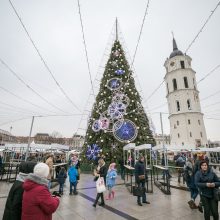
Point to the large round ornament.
(111, 121)
(114, 83)
(104, 123)
(116, 110)
(121, 97)
(92, 151)
(127, 131)
(96, 126)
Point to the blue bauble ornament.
(92, 151)
(119, 72)
(126, 132)
(114, 83)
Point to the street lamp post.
(164, 149)
(29, 140)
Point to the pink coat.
(37, 203)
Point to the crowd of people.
(202, 181)
(30, 197)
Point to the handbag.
(138, 190)
(141, 177)
(100, 185)
(217, 194)
(95, 178)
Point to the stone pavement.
(124, 205)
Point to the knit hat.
(42, 170)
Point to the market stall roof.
(33, 146)
(143, 147)
(183, 149)
(129, 146)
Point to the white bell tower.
(187, 127)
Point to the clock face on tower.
(172, 64)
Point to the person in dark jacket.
(122, 168)
(206, 180)
(189, 175)
(140, 179)
(61, 178)
(13, 206)
(101, 171)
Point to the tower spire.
(174, 44)
(176, 51)
(116, 28)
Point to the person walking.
(37, 201)
(73, 173)
(165, 173)
(110, 181)
(13, 206)
(140, 179)
(61, 178)
(206, 180)
(101, 171)
(180, 162)
(190, 182)
(49, 162)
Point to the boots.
(113, 194)
(108, 197)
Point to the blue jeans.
(49, 184)
(73, 187)
(144, 198)
(61, 188)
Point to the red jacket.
(37, 203)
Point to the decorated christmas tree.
(117, 117)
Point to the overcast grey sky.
(54, 26)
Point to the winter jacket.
(110, 178)
(180, 162)
(73, 173)
(201, 178)
(49, 163)
(14, 201)
(38, 203)
(61, 177)
(139, 170)
(103, 172)
(189, 175)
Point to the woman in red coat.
(38, 203)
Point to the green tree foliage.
(111, 147)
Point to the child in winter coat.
(61, 179)
(73, 173)
(110, 180)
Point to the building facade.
(186, 119)
(6, 137)
(160, 139)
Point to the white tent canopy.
(182, 149)
(37, 147)
(143, 147)
(129, 146)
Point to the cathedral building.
(187, 127)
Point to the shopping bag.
(217, 194)
(141, 177)
(138, 190)
(100, 185)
